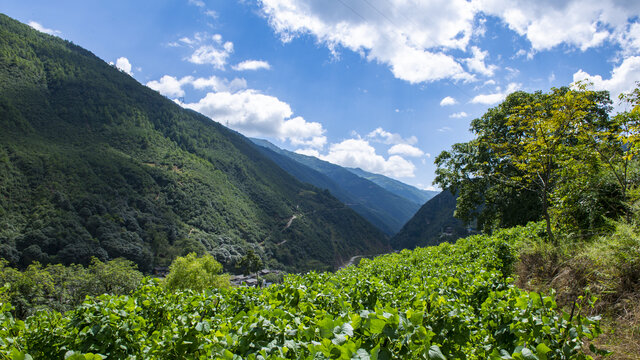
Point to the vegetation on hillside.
(444, 302)
(386, 209)
(94, 164)
(433, 224)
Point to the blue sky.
(384, 85)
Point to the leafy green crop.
(446, 302)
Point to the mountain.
(399, 188)
(432, 224)
(94, 164)
(382, 208)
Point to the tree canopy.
(558, 156)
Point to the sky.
(384, 85)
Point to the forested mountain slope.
(92, 163)
(388, 211)
(399, 188)
(432, 224)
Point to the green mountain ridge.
(92, 163)
(399, 188)
(383, 208)
(433, 224)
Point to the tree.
(195, 273)
(250, 263)
(482, 178)
(527, 145)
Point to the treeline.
(61, 288)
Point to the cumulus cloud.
(169, 85)
(124, 65)
(623, 77)
(309, 152)
(43, 29)
(219, 84)
(405, 149)
(407, 36)
(415, 38)
(548, 23)
(173, 87)
(207, 49)
(358, 153)
(459, 115)
(448, 100)
(477, 62)
(252, 65)
(496, 97)
(385, 137)
(256, 114)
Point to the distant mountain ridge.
(433, 224)
(399, 188)
(385, 209)
(95, 164)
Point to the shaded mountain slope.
(399, 188)
(382, 208)
(432, 224)
(92, 163)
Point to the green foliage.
(61, 288)
(94, 164)
(195, 273)
(433, 224)
(250, 263)
(442, 302)
(558, 156)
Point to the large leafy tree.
(525, 153)
(481, 175)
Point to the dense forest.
(94, 164)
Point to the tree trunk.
(547, 218)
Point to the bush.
(195, 273)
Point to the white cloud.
(359, 153)
(383, 136)
(407, 36)
(427, 187)
(488, 99)
(124, 65)
(623, 78)
(477, 62)
(448, 100)
(256, 114)
(459, 115)
(445, 129)
(309, 152)
(173, 87)
(252, 65)
(169, 85)
(218, 84)
(43, 29)
(580, 23)
(405, 149)
(198, 3)
(494, 98)
(213, 55)
(415, 39)
(208, 50)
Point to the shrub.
(195, 273)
